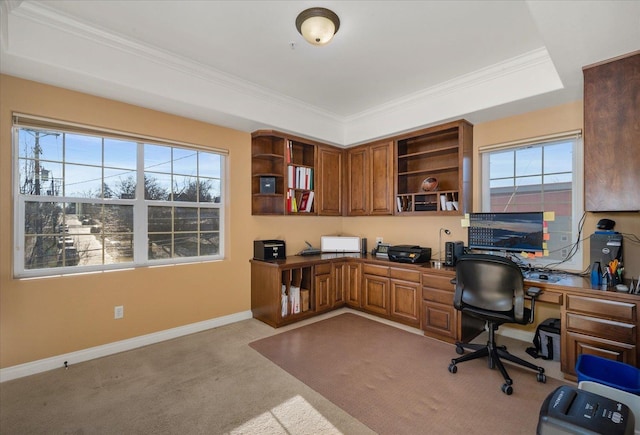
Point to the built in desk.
(603, 323)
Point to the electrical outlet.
(118, 312)
(378, 240)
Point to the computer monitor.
(513, 232)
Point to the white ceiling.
(393, 65)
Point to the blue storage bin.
(608, 372)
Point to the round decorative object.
(429, 184)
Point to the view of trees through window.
(89, 200)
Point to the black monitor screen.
(516, 232)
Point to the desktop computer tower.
(452, 251)
(605, 247)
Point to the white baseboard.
(58, 361)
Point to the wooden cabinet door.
(370, 180)
(329, 187)
(352, 285)
(357, 181)
(405, 302)
(381, 179)
(340, 277)
(611, 135)
(323, 291)
(439, 320)
(375, 294)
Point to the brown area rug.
(397, 382)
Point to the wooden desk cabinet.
(606, 328)
(603, 323)
(439, 317)
(375, 289)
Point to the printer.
(409, 254)
(269, 250)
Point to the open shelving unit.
(277, 162)
(442, 152)
(267, 166)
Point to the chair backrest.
(489, 282)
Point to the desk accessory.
(381, 250)
(310, 250)
(429, 184)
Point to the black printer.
(409, 254)
(269, 250)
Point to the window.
(91, 200)
(539, 175)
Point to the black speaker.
(363, 246)
(452, 251)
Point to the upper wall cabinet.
(369, 174)
(433, 170)
(329, 188)
(612, 134)
(283, 171)
(294, 176)
(268, 185)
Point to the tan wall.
(51, 316)
(44, 317)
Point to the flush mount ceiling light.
(318, 25)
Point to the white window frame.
(574, 264)
(140, 204)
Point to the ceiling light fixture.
(317, 25)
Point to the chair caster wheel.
(459, 350)
(541, 377)
(507, 389)
(453, 368)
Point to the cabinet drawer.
(549, 296)
(437, 295)
(621, 332)
(405, 274)
(599, 307)
(372, 269)
(438, 281)
(322, 268)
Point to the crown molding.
(526, 61)
(201, 92)
(42, 14)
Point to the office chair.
(491, 288)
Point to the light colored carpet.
(211, 382)
(206, 383)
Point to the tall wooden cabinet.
(612, 134)
(369, 176)
(444, 153)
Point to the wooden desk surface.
(567, 282)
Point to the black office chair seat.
(491, 288)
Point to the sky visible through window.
(73, 164)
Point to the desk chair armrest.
(533, 293)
